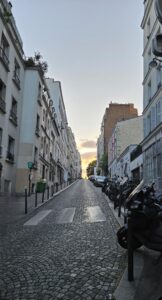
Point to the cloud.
(88, 155)
(88, 144)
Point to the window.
(35, 157)
(2, 96)
(37, 125)
(153, 161)
(149, 123)
(16, 74)
(13, 112)
(153, 118)
(149, 91)
(148, 28)
(158, 112)
(10, 149)
(158, 76)
(44, 113)
(4, 52)
(39, 94)
(159, 162)
(1, 132)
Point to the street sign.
(30, 164)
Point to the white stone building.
(152, 100)
(124, 134)
(33, 121)
(123, 162)
(61, 117)
(11, 91)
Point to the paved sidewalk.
(147, 284)
(12, 209)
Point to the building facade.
(152, 101)
(125, 133)
(114, 113)
(11, 94)
(34, 132)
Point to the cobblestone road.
(54, 260)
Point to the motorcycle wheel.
(123, 241)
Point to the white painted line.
(37, 218)
(95, 214)
(66, 216)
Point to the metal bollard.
(130, 249)
(26, 200)
(36, 199)
(43, 195)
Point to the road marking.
(66, 216)
(37, 218)
(95, 214)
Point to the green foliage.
(90, 168)
(37, 62)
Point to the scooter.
(145, 212)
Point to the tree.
(90, 168)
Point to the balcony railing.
(4, 59)
(13, 117)
(2, 105)
(16, 80)
(39, 100)
(37, 130)
(10, 156)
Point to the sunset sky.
(94, 47)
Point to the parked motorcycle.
(145, 211)
(125, 190)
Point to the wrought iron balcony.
(4, 59)
(2, 105)
(37, 130)
(10, 156)
(39, 100)
(13, 117)
(16, 80)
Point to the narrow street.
(66, 249)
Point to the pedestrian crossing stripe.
(92, 214)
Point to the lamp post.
(30, 166)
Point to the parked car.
(92, 178)
(99, 181)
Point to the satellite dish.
(158, 10)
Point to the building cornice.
(146, 12)
(151, 134)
